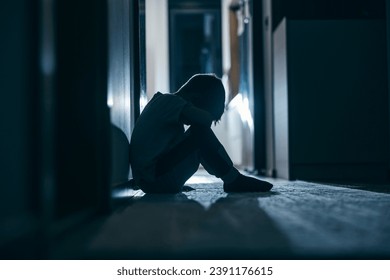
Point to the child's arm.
(192, 115)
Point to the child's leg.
(203, 142)
(213, 158)
(172, 180)
(174, 168)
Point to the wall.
(54, 121)
(331, 80)
(231, 131)
(157, 54)
(236, 129)
(388, 58)
(273, 11)
(327, 9)
(258, 88)
(119, 65)
(281, 99)
(268, 86)
(120, 86)
(19, 164)
(81, 114)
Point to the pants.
(199, 146)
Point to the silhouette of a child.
(163, 156)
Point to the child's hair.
(207, 92)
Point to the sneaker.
(247, 184)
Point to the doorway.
(195, 40)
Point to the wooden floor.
(297, 220)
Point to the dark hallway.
(307, 109)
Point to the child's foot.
(247, 184)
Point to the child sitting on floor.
(163, 156)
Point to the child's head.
(205, 91)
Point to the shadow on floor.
(176, 227)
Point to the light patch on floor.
(295, 220)
(323, 219)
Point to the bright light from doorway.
(241, 104)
